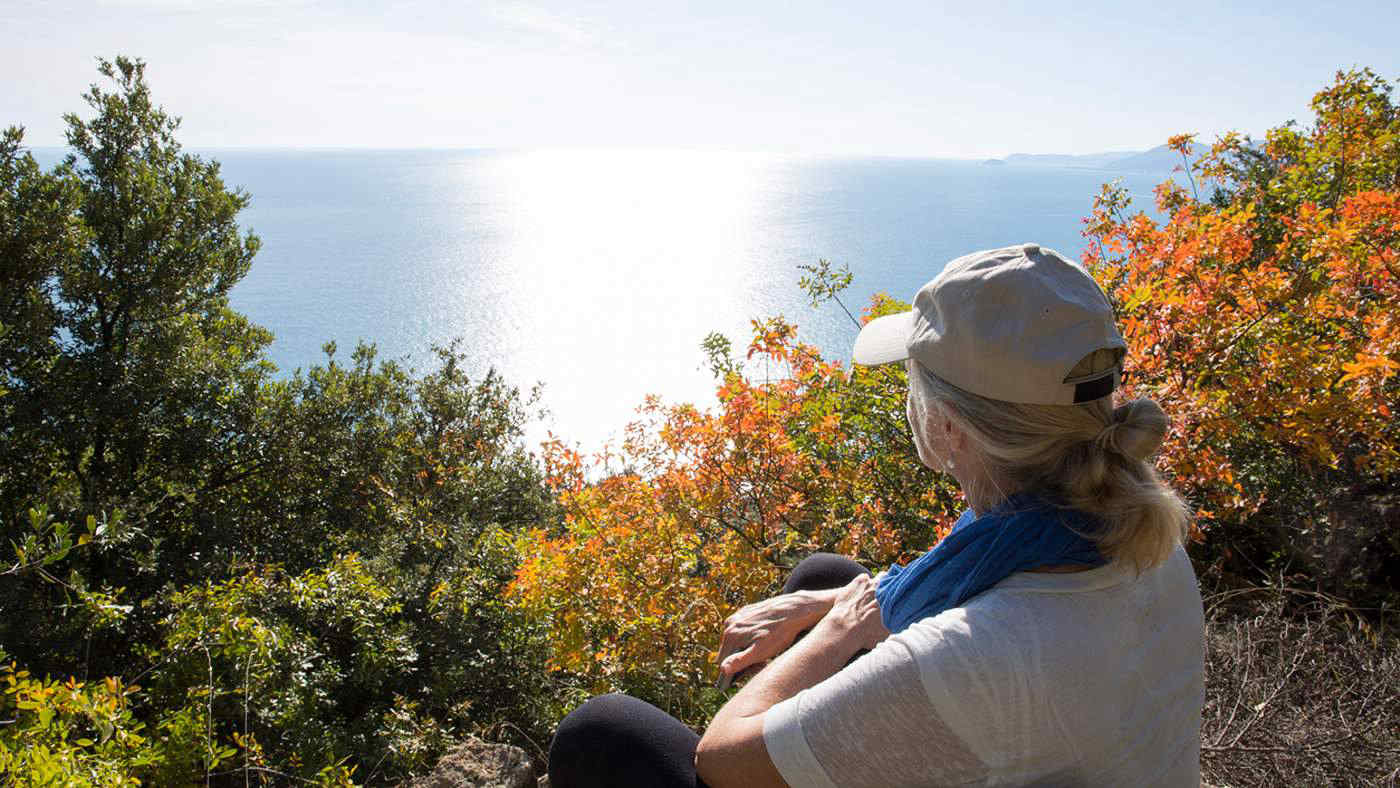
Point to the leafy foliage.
(1264, 320)
(130, 387)
(332, 575)
(70, 732)
(305, 573)
(702, 511)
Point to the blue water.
(598, 273)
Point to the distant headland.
(1153, 160)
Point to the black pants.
(618, 740)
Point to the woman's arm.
(732, 752)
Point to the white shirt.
(1084, 678)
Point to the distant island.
(1157, 159)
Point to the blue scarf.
(1024, 532)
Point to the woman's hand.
(761, 631)
(732, 750)
(855, 615)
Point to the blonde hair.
(1090, 456)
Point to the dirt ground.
(1300, 690)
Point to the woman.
(1055, 636)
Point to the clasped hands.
(758, 632)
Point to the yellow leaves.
(57, 729)
(1366, 364)
(1145, 293)
(1181, 143)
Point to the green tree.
(304, 573)
(38, 229)
(136, 331)
(129, 383)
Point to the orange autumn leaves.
(1263, 316)
(700, 511)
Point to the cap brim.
(884, 340)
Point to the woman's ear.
(956, 437)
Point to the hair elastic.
(1107, 438)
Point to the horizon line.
(1126, 151)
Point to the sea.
(597, 273)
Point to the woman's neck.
(983, 488)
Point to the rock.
(479, 764)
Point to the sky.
(957, 79)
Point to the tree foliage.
(304, 572)
(130, 387)
(701, 511)
(222, 574)
(125, 357)
(1263, 318)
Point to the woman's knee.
(620, 740)
(595, 717)
(820, 571)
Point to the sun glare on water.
(611, 268)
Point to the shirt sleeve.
(871, 724)
(787, 747)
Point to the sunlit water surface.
(598, 273)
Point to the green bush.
(305, 574)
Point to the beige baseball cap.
(1008, 324)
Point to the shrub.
(305, 573)
(701, 511)
(1263, 318)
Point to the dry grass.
(1300, 690)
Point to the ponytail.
(1091, 457)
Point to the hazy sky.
(965, 79)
